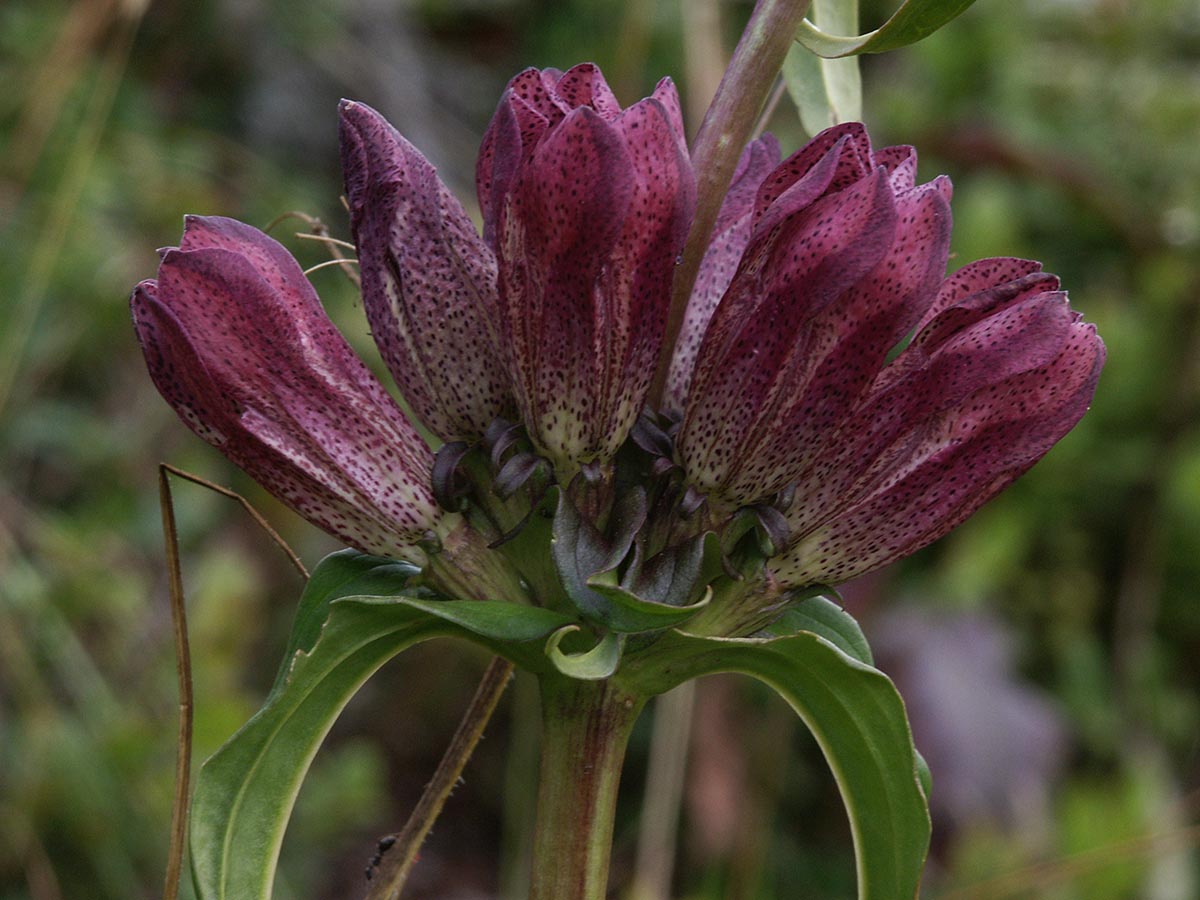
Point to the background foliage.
(1049, 650)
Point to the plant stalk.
(725, 131)
(183, 663)
(585, 729)
(398, 863)
(665, 776)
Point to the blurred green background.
(1049, 649)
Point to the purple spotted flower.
(558, 310)
(819, 268)
(791, 424)
(237, 342)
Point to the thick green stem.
(585, 728)
(724, 133)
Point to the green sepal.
(857, 718)
(669, 577)
(914, 20)
(820, 613)
(352, 618)
(592, 664)
(581, 551)
(655, 594)
(651, 595)
(630, 613)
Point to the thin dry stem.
(328, 263)
(305, 236)
(321, 232)
(401, 857)
(183, 664)
(769, 110)
(183, 655)
(245, 504)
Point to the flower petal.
(247, 357)
(977, 277)
(587, 244)
(959, 312)
(666, 94)
(1024, 334)
(849, 342)
(584, 85)
(760, 346)
(847, 146)
(963, 458)
(901, 163)
(428, 280)
(511, 137)
(635, 285)
(268, 256)
(558, 227)
(730, 236)
(539, 90)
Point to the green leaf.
(826, 92)
(825, 617)
(340, 574)
(352, 619)
(492, 619)
(858, 719)
(914, 20)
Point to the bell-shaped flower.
(589, 207)
(843, 251)
(585, 209)
(428, 280)
(821, 267)
(237, 342)
(999, 371)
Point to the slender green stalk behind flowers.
(785, 438)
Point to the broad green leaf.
(857, 718)
(352, 619)
(914, 20)
(340, 574)
(492, 619)
(827, 92)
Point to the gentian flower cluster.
(834, 402)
